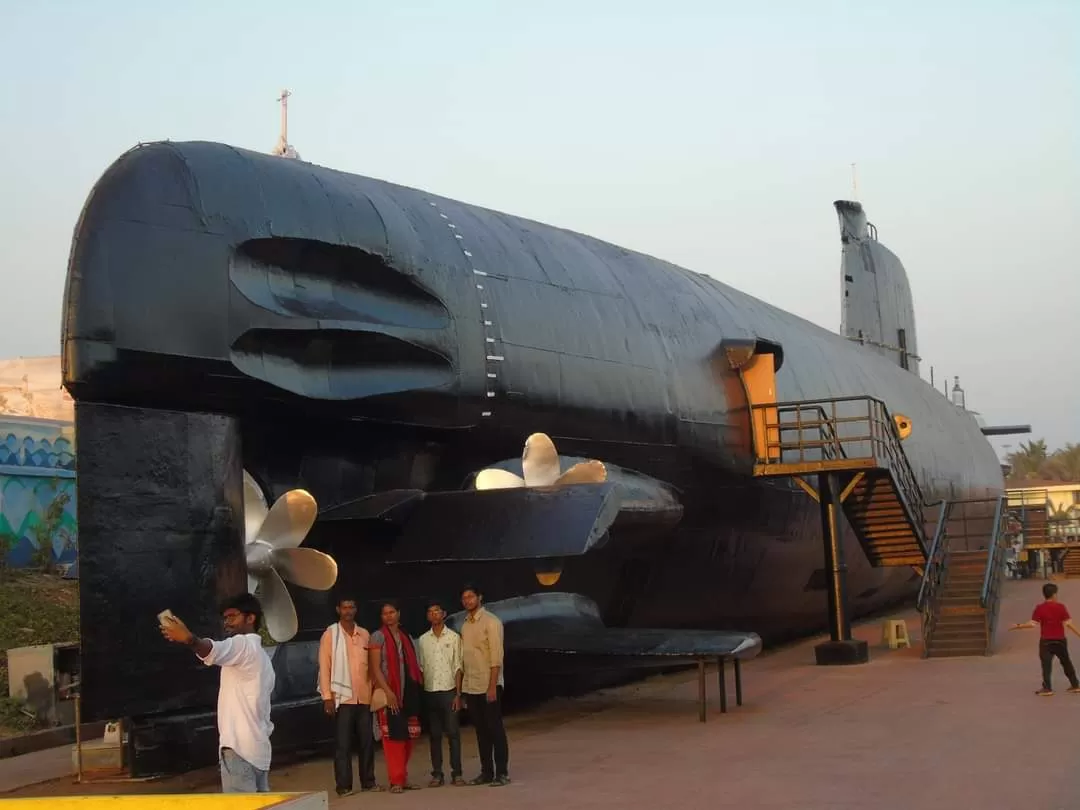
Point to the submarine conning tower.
(876, 309)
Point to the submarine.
(238, 326)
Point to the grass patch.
(35, 608)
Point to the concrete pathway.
(900, 732)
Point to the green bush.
(15, 716)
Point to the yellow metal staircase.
(858, 440)
(853, 446)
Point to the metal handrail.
(992, 556)
(882, 438)
(933, 576)
(991, 596)
(935, 558)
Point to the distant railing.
(933, 576)
(826, 432)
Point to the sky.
(712, 134)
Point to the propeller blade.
(254, 507)
(253, 584)
(289, 520)
(306, 567)
(278, 608)
(540, 461)
(493, 478)
(584, 472)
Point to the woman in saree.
(396, 668)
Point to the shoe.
(1045, 692)
(376, 788)
(1074, 689)
(458, 781)
(436, 781)
(480, 780)
(499, 781)
(344, 791)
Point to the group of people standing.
(395, 679)
(385, 675)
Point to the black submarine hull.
(228, 310)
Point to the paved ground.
(901, 732)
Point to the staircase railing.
(840, 433)
(990, 598)
(933, 576)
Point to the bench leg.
(723, 685)
(701, 690)
(738, 683)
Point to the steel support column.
(841, 647)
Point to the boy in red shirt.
(1052, 618)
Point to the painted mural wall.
(37, 470)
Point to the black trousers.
(1048, 648)
(490, 734)
(443, 720)
(351, 722)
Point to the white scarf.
(340, 678)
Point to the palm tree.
(1027, 462)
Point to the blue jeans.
(240, 776)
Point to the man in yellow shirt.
(482, 686)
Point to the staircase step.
(957, 642)
(961, 620)
(977, 624)
(878, 518)
(892, 520)
(875, 507)
(962, 585)
(895, 548)
(895, 532)
(906, 546)
(963, 595)
(964, 652)
(976, 645)
(974, 631)
(897, 562)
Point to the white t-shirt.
(243, 709)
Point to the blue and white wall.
(37, 460)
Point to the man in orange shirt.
(345, 687)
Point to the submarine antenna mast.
(283, 147)
(284, 99)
